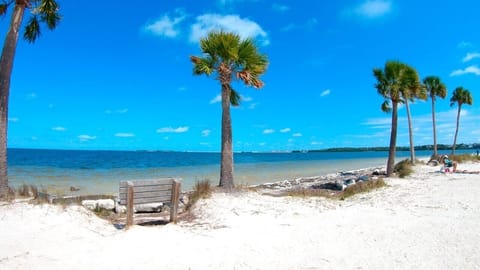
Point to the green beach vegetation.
(41, 11)
(230, 58)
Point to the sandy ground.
(427, 221)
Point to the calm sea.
(98, 172)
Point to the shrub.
(201, 190)
(26, 190)
(362, 187)
(464, 158)
(403, 168)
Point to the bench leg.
(174, 202)
(129, 206)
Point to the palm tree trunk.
(435, 151)
(456, 130)
(410, 133)
(226, 166)
(6, 66)
(393, 139)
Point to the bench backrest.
(148, 191)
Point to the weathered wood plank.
(167, 193)
(163, 181)
(147, 188)
(174, 201)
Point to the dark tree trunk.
(410, 133)
(6, 66)
(456, 130)
(435, 151)
(226, 166)
(393, 139)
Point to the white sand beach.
(427, 221)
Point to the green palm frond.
(461, 96)
(435, 87)
(386, 107)
(32, 30)
(234, 97)
(3, 9)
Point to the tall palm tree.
(411, 90)
(460, 96)
(435, 88)
(230, 58)
(389, 87)
(45, 11)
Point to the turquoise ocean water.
(98, 172)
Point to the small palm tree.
(45, 11)
(230, 58)
(435, 88)
(460, 96)
(411, 90)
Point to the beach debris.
(72, 188)
(106, 204)
(433, 163)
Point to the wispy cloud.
(172, 130)
(372, 9)
(297, 135)
(285, 130)
(206, 132)
(268, 131)
(468, 70)
(216, 99)
(231, 23)
(124, 135)
(280, 8)
(86, 138)
(325, 93)
(31, 96)
(119, 111)
(470, 56)
(464, 44)
(13, 119)
(166, 26)
(59, 129)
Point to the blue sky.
(115, 76)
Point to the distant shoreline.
(440, 147)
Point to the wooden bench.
(137, 192)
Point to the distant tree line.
(442, 147)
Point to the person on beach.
(447, 164)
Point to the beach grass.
(464, 158)
(201, 190)
(360, 187)
(403, 168)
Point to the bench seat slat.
(147, 200)
(146, 189)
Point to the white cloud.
(119, 111)
(166, 26)
(216, 99)
(297, 135)
(124, 135)
(325, 93)
(316, 143)
(468, 70)
(206, 132)
(86, 138)
(268, 131)
(373, 8)
(231, 23)
(59, 129)
(13, 119)
(252, 106)
(172, 130)
(470, 56)
(280, 8)
(285, 130)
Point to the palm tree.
(45, 11)
(435, 88)
(460, 96)
(393, 82)
(231, 58)
(412, 90)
